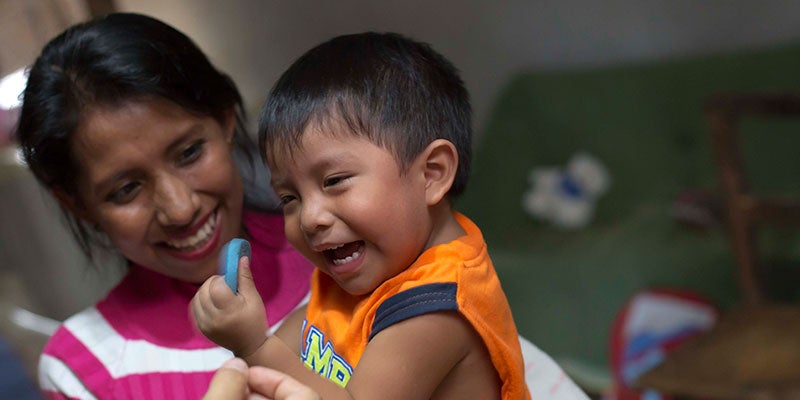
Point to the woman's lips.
(198, 245)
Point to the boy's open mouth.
(344, 253)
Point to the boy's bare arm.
(276, 354)
(288, 333)
(416, 358)
(291, 329)
(281, 351)
(437, 355)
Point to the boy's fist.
(237, 322)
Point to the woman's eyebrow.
(183, 137)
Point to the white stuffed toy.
(566, 196)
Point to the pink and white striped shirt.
(139, 342)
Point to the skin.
(339, 189)
(235, 381)
(156, 178)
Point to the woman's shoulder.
(66, 357)
(85, 329)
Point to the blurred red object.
(697, 208)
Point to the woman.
(125, 121)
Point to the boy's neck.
(444, 228)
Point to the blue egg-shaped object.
(229, 261)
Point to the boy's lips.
(345, 258)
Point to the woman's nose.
(175, 201)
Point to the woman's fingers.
(229, 382)
(277, 385)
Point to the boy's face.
(350, 209)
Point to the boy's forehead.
(332, 126)
(287, 144)
(316, 150)
(315, 145)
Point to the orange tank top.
(455, 276)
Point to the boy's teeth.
(201, 236)
(347, 259)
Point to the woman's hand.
(236, 321)
(233, 381)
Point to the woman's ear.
(72, 204)
(228, 123)
(441, 163)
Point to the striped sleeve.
(58, 382)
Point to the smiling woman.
(161, 183)
(134, 132)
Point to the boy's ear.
(72, 204)
(441, 163)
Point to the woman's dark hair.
(397, 92)
(106, 62)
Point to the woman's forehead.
(131, 134)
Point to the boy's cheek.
(294, 235)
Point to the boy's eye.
(191, 153)
(286, 199)
(125, 193)
(333, 180)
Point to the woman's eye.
(125, 193)
(191, 153)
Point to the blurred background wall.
(255, 40)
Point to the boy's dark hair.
(106, 62)
(397, 92)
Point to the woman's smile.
(198, 245)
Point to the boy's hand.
(237, 322)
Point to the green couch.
(645, 123)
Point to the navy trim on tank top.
(414, 302)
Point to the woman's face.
(161, 183)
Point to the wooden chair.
(746, 211)
(753, 352)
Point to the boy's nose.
(175, 201)
(314, 216)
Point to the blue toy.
(229, 258)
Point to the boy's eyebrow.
(317, 167)
(274, 182)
